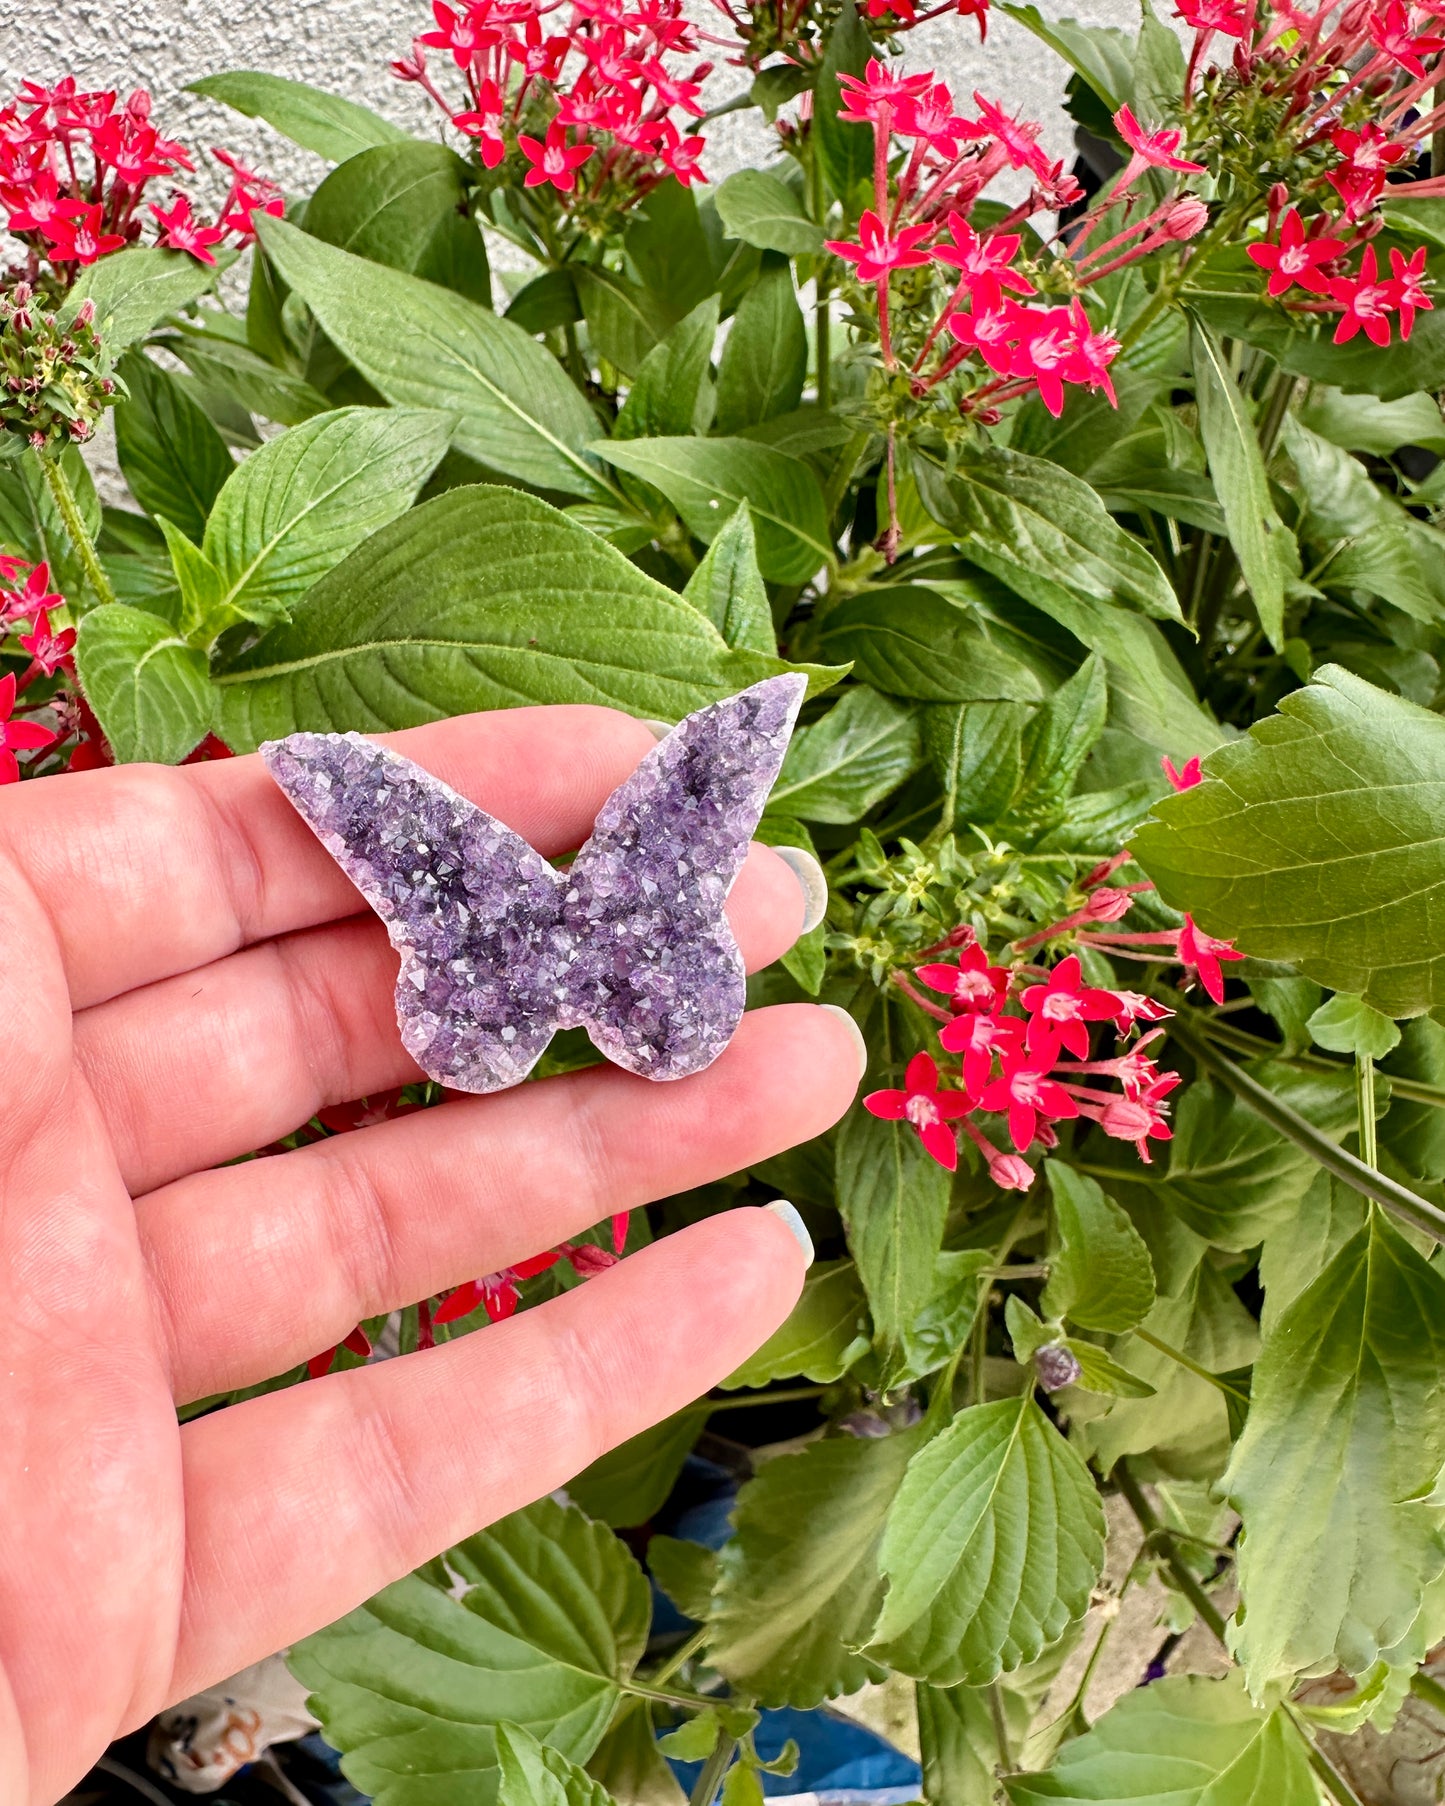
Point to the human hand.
(190, 977)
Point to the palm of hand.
(187, 978)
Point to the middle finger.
(207, 1065)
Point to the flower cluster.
(26, 605)
(597, 113)
(1023, 1035)
(1334, 98)
(75, 170)
(55, 379)
(996, 309)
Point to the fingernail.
(660, 729)
(795, 1225)
(809, 874)
(854, 1030)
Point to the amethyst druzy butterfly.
(499, 949)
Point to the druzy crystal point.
(499, 949)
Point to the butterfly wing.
(656, 977)
(473, 910)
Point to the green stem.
(69, 509)
(680, 1657)
(1365, 1108)
(1398, 1199)
(1240, 1041)
(1000, 1727)
(713, 1770)
(785, 1397)
(1429, 1691)
(1280, 394)
(979, 1338)
(1159, 1537)
(1335, 1783)
(822, 319)
(1201, 1373)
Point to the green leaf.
(1232, 1178)
(149, 689)
(135, 289)
(482, 598)
(246, 382)
(893, 1199)
(30, 522)
(1346, 1387)
(914, 642)
(763, 210)
(1348, 1025)
(1186, 1739)
(624, 321)
(707, 479)
(405, 205)
(1100, 1273)
(1098, 1372)
(1061, 736)
(533, 1775)
(992, 1547)
(669, 247)
(686, 1572)
(1316, 840)
(199, 588)
(825, 1332)
(173, 460)
(421, 346)
(846, 150)
(671, 395)
(301, 503)
(975, 751)
(629, 1483)
(862, 749)
(1184, 1429)
(765, 358)
(1291, 1001)
(1261, 541)
(1044, 532)
(694, 1740)
(325, 123)
(798, 1584)
(728, 587)
(942, 1324)
(741, 1787)
(1102, 54)
(412, 1686)
(1299, 1249)
(1365, 423)
(547, 301)
(630, 1766)
(1158, 81)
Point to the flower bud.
(85, 313)
(1125, 1119)
(1056, 1366)
(1107, 904)
(1185, 218)
(1011, 1172)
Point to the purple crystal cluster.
(499, 949)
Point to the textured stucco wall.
(345, 45)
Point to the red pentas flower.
(1061, 1009)
(1406, 291)
(1201, 953)
(1368, 156)
(184, 233)
(358, 1342)
(877, 96)
(1150, 150)
(1231, 17)
(1296, 259)
(1026, 1095)
(25, 601)
(1367, 303)
(497, 1292)
(879, 253)
(929, 1108)
(555, 161)
(1393, 34)
(978, 1036)
(973, 984)
(1184, 778)
(980, 260)
(49, 649)
(17, 736)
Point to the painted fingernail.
(809, 874)
(854, 1030)
(794, 1224)
(660, 729)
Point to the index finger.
(148, 870)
